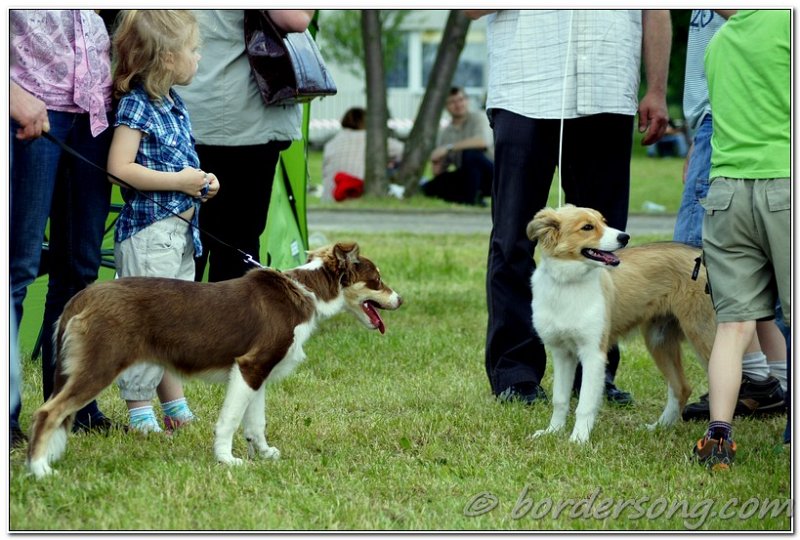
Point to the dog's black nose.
(623, 238)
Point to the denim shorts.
(747, 247)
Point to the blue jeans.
(76, 197)
(14, 374)
(689, 223)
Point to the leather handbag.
(286, 66)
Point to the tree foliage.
(342, 32)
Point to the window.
(397, 76)
(471, 63)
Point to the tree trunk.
(376, 181)
(422, 138)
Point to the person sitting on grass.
(343, 158)
(462, 162)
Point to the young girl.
(153, 151)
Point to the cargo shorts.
(747, 247)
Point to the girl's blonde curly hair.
(142, 42)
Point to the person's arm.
(476, 14)
(292, 20)
(726, 13)
(656, 44)
(28, 111)
(472, 143)
(122, 163)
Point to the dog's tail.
(48, 435)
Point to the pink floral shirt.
(63, 58)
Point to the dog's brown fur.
(199, 328)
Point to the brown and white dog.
(585, 298)
(244, 330)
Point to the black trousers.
(596, 173)
(238, 213)
(466, 185)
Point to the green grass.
(400, 432)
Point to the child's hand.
(192, 181)
(213, 186)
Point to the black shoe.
(99, 424)
(614, 395)
(755, 398)
(618, 397)
(17, 438)
(524, 392)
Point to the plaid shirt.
(167, 145)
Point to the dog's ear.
(544, 227)
(346, 254)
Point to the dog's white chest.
(295, 354)
(568, 314)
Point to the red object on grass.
(347, 186)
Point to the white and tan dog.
(244, 331)
(586, 297)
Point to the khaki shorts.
(164, 249)
(747, 247)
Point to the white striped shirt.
(702, 27)
(528, 54)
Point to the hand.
(192, 181)
(439, 153)
(213, 186)
(29, 111)
(653, 117)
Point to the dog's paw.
(579, 437)
(40, 469)
(652, 427)
(230, 460)
(260, 449)
(271, 453)
(543, 432)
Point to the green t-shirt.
(749, 81)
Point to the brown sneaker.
(715, 454)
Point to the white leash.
(563, 103)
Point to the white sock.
(143, 419)
(778, 370)
(754, 365)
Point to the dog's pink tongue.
(374, 317)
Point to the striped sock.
(720, 430)
(143, 419)
(178, 409)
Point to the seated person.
(462, 162)
(343, 157)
